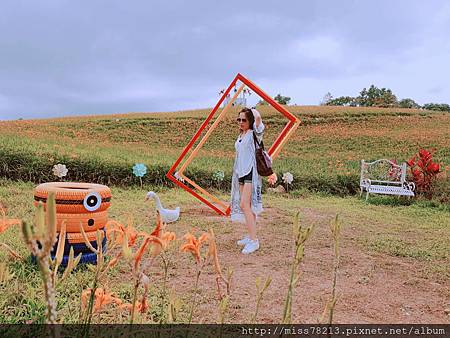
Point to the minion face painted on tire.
(77, 203)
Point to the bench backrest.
(383, 171)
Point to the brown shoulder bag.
(263, 159)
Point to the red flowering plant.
(424, 172)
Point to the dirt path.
(372, 287)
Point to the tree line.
(379, 97)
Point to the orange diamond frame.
(289, 128)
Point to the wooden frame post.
(274, 150)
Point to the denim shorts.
(247, 178)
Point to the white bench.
(385, 177)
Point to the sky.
(60, 58)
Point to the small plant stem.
(136, 286)
(333, 293)
(288, 303)
(11, 251)
(336, 234)
(48, 289)
(258, 301)
(199, 271)
(166, 267)
(195, 295)
(163, 296)
(91, 299)
(88, 319)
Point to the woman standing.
(246, 201)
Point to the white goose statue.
(167, 215)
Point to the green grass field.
(415, 234)
(387, 239)
(323, 155)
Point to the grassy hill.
(323, 154)
(406, 245)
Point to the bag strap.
(260, 144)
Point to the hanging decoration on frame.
(178, 176)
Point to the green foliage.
(400, 248)
(437, 106)
(408, 103)
(282, 99)
(393, 201)
(19, 166)
(376, 97)
(343, 101)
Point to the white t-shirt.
(245, 150)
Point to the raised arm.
(258, 118)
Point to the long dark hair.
(249, 116)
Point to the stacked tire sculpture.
(77, 203)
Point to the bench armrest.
(409, 185)
(365, 182)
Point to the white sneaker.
(243, 241)
(251, 246)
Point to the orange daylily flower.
(141, 306)
(212, 252)
(156, 244)
(120, 232)
(193, 245)
(166, 237)
(101, 299)
(157, 231)
(113, 262)
(6, 223)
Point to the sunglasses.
(241, 120)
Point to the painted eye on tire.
(92, 201)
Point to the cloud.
(322, 48)
(65, 57)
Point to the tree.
(327, 98)
(262, 103)
(282, 99)
(376, 97)
(408, 103)
(437, 106)
(387, 99)
(343, 101)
